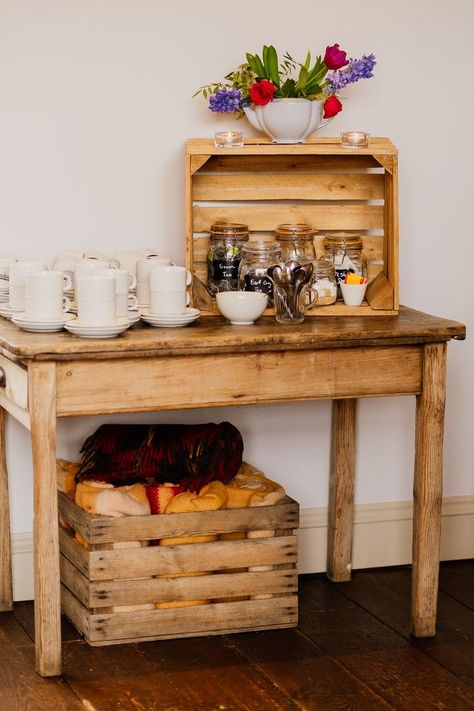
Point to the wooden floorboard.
(352, 651)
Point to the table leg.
(42, 399)
(341, 490)
(427, 491)
(6, 579)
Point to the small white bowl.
(241, 308)
(353, 294)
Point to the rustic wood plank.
(380, 293)
(214, 586)
(457, 580)
(304, 672)
(107, 529)
(42, 394)
(236, 379)
(185, 558)
(216, 337)
(266, 217)
(230, 681)
(300, 186)
(21, 689)
(380, 658)
(327, 145)
(16, 383)
(119, 677)
(427, 490)
(391, 220)
(74, 552)
(288, 162)
(385, 594)
(341, 490)
(6, 579)
(214, 618)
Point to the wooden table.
(209, 364)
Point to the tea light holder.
(355, 139)
(229, 139)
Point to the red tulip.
(262, 92)
(331, 107)
(335, 58)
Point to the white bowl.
(353, 294)
(241, 307)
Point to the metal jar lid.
(229, 230)
(345, 240)
(294, 231)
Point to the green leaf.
(308, 60)
(258, 66)
(288, 89)
(272, 66)
(302, 79)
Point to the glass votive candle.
(229, 139)
(355, 139)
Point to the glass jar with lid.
(257, 257)
(344, 249)
(296, 241)
(225, 253)
(324, 281)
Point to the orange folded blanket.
(99, 498)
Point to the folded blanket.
(191, 455)
(250, 487)
(97, 497)
(211, 498)
(66, 474)
(159, 496)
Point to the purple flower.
(356, 69)
(225, 101)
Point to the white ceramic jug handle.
(326, 121)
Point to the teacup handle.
(67, 281)
(66, 303)
(132, 280)
(189, 277)
(132, 301)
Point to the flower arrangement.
(259, 80)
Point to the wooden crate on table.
(320, 183)
(97, 581)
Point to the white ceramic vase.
(287, 120)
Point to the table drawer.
(14, 383)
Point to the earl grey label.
(258, 283)
(225, 269)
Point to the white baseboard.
(382, 537)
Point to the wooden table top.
(212, 334)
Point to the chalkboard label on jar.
(258, 283)
(225, 269)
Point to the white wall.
(95, 107)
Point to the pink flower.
(262, 92)
(331, 107)
(335, 58)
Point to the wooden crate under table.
(319, 183)
(95, 580)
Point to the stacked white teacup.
(124, 282)
(95, 300)
(44, 296)
(143, 271)
(168, 290)
(18, 273)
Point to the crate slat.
(106, 529)
(281, 186)
(185, 558)
(266, 217)
(119, 592)
(213, 618)
(281, 163)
